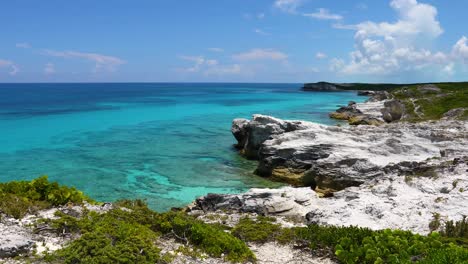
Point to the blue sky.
(233, 41)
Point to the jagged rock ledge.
(331, 157)
(393, 201)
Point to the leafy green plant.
(435, 222)
(396, 246)
(18, 198)
(118, 224)
(450, 254)
(112, 241)
(457, 232)
(260, 230)
(358, 245)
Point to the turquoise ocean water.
(167, 143)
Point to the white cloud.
(336, 64)
(197, 60)
(387, 48)
(320, 55)
(216, 49)
(449, 68)
(324, 14)
(49, 69)
(289, 6)
(23, 45)
(460, 49)
(11, 66)
(208, 66)
(261, 15)
(102, 62)
(415, 19)
(261, 32)
(260, 54)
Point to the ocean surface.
(167, 143)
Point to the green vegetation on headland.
(368, 86)
(411, 102)
(129, 233)
(326, 86)
(431, 104)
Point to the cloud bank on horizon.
(275, 41)
(385, 48)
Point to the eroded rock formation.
(310, 154)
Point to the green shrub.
(329, 236)
(358, 245)
(119, 224)
(396, 246)
(456, 229)
(262, 230)
(451, 254)
(211, 239)
(112, 241)
(17, 206)
(457, 232)
(66, 224)
(435, 222)
(18, 198)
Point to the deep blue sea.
(164, 142)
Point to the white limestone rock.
(339, 157)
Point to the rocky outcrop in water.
(375, 111)
(251, 134)
(331, 157)
(346, 112)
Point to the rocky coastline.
(379, 171)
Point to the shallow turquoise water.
(166, 143)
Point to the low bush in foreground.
(110, 240)
(18, 198)
(128, 234)
(457, 232)
(358, 245)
